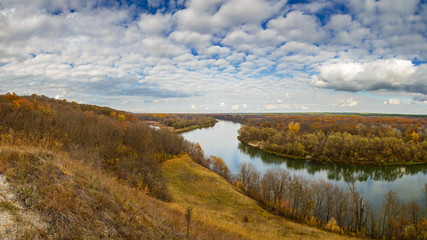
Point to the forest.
(358, 139)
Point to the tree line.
(379, 140)
(334, 208)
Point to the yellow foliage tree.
(332, 225)
(121, 117)
(294, 127)
(415, 136)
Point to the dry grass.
(75, 201)
(218, 203)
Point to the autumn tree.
(219, 166)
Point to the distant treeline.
(357, 139)
(113, 140)
(180, 121)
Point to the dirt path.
(15, 219)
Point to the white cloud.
(158, 24)
(245, 11)
(298, 26)
(347, 103)
(237, 38)
(276, 106)
(340, 22)
(161, 47)
(217, 15)
(193, 39)
(390, 75)
(347, 31)
(393, 101)
(216, 51)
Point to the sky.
(219, 56)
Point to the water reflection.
(349, 173)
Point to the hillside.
(218, 203)
(48, 195)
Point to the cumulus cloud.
(390, 75)
(298, 26)
(193, 39)
(217, 15)
(158, 24)
(244, 52)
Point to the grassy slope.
(48, 195)
(218, 203)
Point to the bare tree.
(246, 174)
(390, 211)
(358, 207)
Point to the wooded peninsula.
(352, 139)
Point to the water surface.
(372, 181)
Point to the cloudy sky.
(219, 55)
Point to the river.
(371, 181)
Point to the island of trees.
(359, 139)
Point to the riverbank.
(215, 201)
(260, 146)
